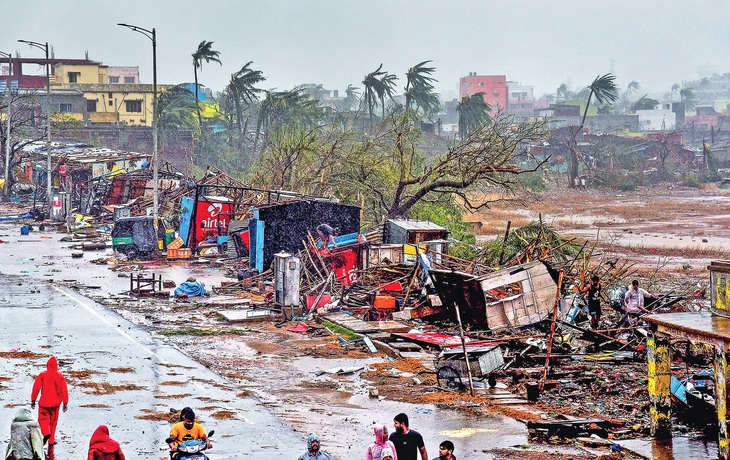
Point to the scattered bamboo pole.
(552, 330)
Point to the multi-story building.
(520, 99)
(113, 94)
(493, 87)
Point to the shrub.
(533, 181)
(692, 181)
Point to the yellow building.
(109, 99)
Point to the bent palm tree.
(419, 87)
(205, 53)
(605, 90)
(387, 85)
(373, 89)
(473, 111)
(243, 90)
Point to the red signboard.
(344, 264)
(212, 216)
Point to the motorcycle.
(190, 450)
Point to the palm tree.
(419, 88)
(473, 111)
(205, 53)
(605, 90)
(373, 88)
(286, 107)
(175, 108)
(688, 97)
(351, 97)
(243, 91)
(387, 86)
(645, 103)
(632, 87)
(675, 88)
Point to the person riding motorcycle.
(186, 430)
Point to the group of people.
(403, 444)
(633, 301)
(28, 435)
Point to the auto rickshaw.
(135, 236)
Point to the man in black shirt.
(594, 300)
(407, 442)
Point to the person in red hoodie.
(102, 447)
(52, 387)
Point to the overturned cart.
(452, 371)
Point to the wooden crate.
(182, 253)
(176, 243)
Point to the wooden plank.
(369, 344)
(348, 322)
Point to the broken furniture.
(145, 286)
(452, 371)
(504, 299)
(569, 428)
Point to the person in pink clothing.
(375, 450)
(52, 387)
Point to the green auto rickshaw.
(135, 236)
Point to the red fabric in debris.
(301, 327)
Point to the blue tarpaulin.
(191, 288)
(24, 216)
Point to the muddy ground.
(670, 233)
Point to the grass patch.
(204, 332)
(339, 330)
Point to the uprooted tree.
(396, 167)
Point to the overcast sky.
(336, 42)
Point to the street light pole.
(6, 186)
(42, 46)
(152, 35)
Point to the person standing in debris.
(634, 301)
(102, 447)
(446, 451)
(313, 452)
(594, 300)
(26, 439)
(52, 387)
(382, 443)
(407, 442)
(326, 235)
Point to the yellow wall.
(89, 73)
(118, 105)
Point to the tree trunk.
(197, 100)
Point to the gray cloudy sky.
(336, 42)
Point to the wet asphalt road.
(49, 319)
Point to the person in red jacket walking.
(52, 387)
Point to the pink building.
(494, 88)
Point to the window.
(111, 103)
(496, 94)
(110, 96)
(91, 106)
(66, 108)
(113, 80)
(499, 83)
(129, 80)
(134, 106)
(73, 77)
(481, 83)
